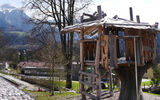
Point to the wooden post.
(110, 82)
(135, 54)
(82, 19)
(99, 12)
(97, 63)
(131, 13)
(113, 59)
(138, 19)
(82, 64)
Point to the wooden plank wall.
(104, 51)
(149, 45)
(113, 50)
(129, 46)
(145, 46)
(90, 50)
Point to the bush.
(156, 76)
(13, 65)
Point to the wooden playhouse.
(112, 43)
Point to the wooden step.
(93, 97)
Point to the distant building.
(34, 68)
(37, 68)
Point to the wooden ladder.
(94, 76)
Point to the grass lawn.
(4, 72)
(147, 83)
(47, 95)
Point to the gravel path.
(22, 84)
(9, 92)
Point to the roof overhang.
(109, 22)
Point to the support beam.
(97, 63)
(90, 95)
(82, 64)
(110, 82)
(138, 19)
(131, 13)
(99, 12)
(135, 54)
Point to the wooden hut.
(106, 51)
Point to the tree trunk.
(69, 76)
(128, 82)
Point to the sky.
(16, 3)
(149, 10)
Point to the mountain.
(11, 16)
(13, 25)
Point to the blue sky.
(149, 10)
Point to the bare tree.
(53, 57)
(49, 51)
(60, 13)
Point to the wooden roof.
(109, 22)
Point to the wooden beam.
(99, 12)
(138, 19)
(102, 50)
(93, 97)
(89, 19)
(82, 64)
(131, 13)
(93, 33)
(137, 41)
(110, 82)
(135, 53)
(88, 40)
(90, 30)
(89, 15)
(97, 62)
(88, 74)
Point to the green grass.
(4, 72)
(75, 85)
(60, 85)
(148, 83)
(47, 95)
(18, 33)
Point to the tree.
(48, 51)
(7, 53)
(61, 13)
(127, 77)
(53, 57)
